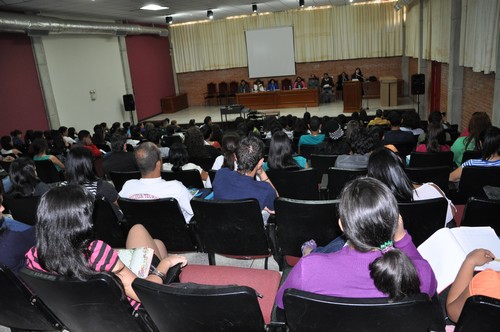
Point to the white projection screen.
(270, 52)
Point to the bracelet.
(159, 274)
(264, 180)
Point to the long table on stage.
(279, 99)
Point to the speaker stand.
(132, 117)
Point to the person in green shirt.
(479, 122)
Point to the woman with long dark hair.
(40, 148)
(435, 140)
(178, 161)
(25, 181)
(65, 244)
(379, 260)
(479, 122)
(281, 154)
(334, 143)
(196, 146)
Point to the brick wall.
(195, 83)
(478, 94)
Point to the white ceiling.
(180, 10)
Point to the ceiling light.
(153, 7)
(169, 19)
(210, 14)
(301, 3)
(254, 7)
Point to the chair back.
(205, 163)
(212, 88)
(322, 162)
(482, 212)
(286, 84)
(194, 307)
(5, 165)
(163, 219)
(405, 149)
(17, 303)
(189, 178)
(119, 178)
(98, 304)
(473, 180)
(169, 140)
(313, 312)
(438, 175)
(231, 228)
(299, 184)
(47, 172)
(306, 150)
(106, 225)
(423, 218)
(431, 159)
(211, 175)
(480, 313)
(298, 221)
(339, 177)
(23, 209)
(98, 167)
(471, 154)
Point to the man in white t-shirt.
(151, 185)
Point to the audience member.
(24, 180)
(16, 239)
(178, 161)
(490, 142)
(7, 147)
(379, 120)
(281, 155)
(196, 145)
(207, 122)
(85, 140)
(362, 145)
(327, 86)
(65, 246)
(334, 142)
(379, 260)
(151, 185)
(17, 141)
(207, 135)
(435, 118)
(314, 137)
(435, 140)
(479, 122)
(411, 123)
(40, 150)
(396, 135)
(119, 160)
(153, 135)
(230, 185)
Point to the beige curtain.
(480, 34)
(344, 32)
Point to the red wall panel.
(151, 72)
(21, 102)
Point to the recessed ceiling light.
(153, 7)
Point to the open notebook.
(138, 260)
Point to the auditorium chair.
(480, 314)
(482, 212)
(339, 177)
(305, 150)
(167, 141)
(211, 175)
(298, 184)
(313, 312)
(321, 163)
(231, 228)
(223, 95)
(205, 163)
(106, 225)
(471, 154)
(20, 309)
(473, 180)
(438, 175)
(431, 159)
(298, 221)
(23, 209)
(286, 84)
(211, 95)
(163, 219)
(423, 218)
(212, 298)
(189, 178)
(119, 178)
(97, 304)
(233, 90)
(47, 171)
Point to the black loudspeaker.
(129, 103)
(418, 84)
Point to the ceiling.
(180, 10)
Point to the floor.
(331, 109)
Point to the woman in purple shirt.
(379, 259)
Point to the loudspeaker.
(418, 84)
(129, 103)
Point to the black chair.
(306, 150)
(480, 314)
(119, 178)
(299, 184)
(20, 309)
(438, 175)
(189, 178)
(423, 218)
(98, 304)
(211, 175)
(482, 212)
(234, 228)
(286, 84)
(298, 221)
(5, 165)
(473, 180)
(211, 95)
(47, 171)
(193, 307)
(163, 219)
(106, 225)
(321, 163)
(223, 95)
(23, 209)
(428, 159)
(471, 154)
(233, 90)
(167, 141)
(405, 149)
(205, 163)
(313, 312)
(339, 177)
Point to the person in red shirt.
(86, 141)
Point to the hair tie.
(335, 135)
(386, 246)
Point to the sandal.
(308, 244)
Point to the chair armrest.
(173, 274)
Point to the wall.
(195, 83)
(151, 72)
(21, 102)
(78, 64)
(444, 87)
(478, 94)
